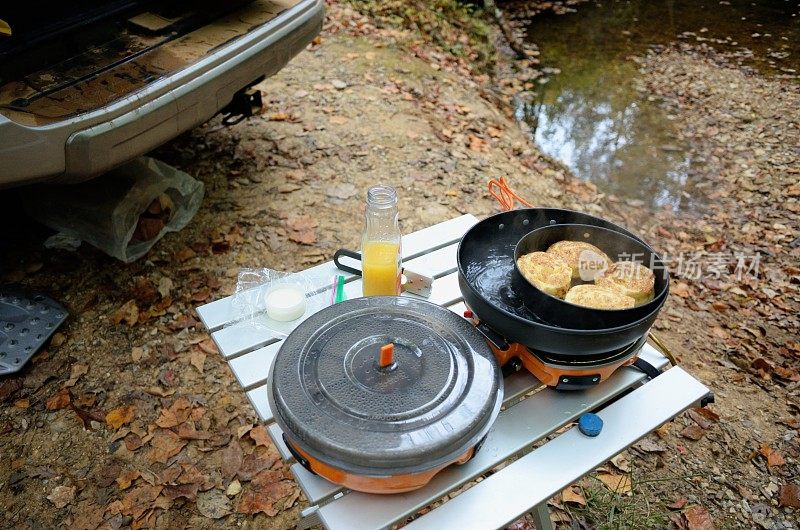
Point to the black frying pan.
(618, 247)
(485, 270)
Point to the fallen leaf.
(75, 373)
(699, 419)
(198, 360)
(773, 456)
(186, 491)
(233, 488)
(260, 436)
(61, 496)
(698, 518)
(144, 291)
(708, 413)
(22, 403)
(139, 500)
(58, 339)
(574, 495)
(244, 429)
(164, 445)
(693, 432)
(208, 346)
(87, 416)
(88, 518)
(126, 478)
(301, 229)
(622, 463)
(59, 400)
(522, 524)
(133, 441)
(176, 414)
(679, 503)
(789, 495)
(494, 132)
(9, 387)
(187, 431)
(128, 313)
(615, 483)
(120, 416)
(165, 286)
(252, 465)
(185, 254)
(663, 431)
(263, 497)
(649, 446)
(338, 120)
(477, 144)
(201, 295)
(232, 457)
(213, 504)
(682, 290)
(193, 475)
(137, 353)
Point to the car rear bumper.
(89, 144)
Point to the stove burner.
(563, 372)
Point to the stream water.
(590, 115)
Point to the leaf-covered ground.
(129, 418)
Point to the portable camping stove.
(558, 371)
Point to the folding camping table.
(630, 405)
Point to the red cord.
(505, 195)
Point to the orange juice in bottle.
(380, 244)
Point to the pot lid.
(436, 397)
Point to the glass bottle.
(380, 243)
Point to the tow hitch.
(244, 104)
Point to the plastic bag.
(124, 212)
(253, 287)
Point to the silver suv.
(90, 84)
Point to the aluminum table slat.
(625, 422)
(515, 430)
(276, 434)
(251, 370)
(258, 398)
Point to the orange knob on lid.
(386, 355)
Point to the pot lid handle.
(386, 356)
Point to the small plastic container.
(286, 302)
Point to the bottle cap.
(590, 424)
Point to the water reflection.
(591, 116)
(626, 146)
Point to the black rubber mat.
(26, 322)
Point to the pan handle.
(350, 254)
(492, 336)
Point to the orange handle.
(387, 355)
(501, 191)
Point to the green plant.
(643, 507)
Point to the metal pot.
(383, 424)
